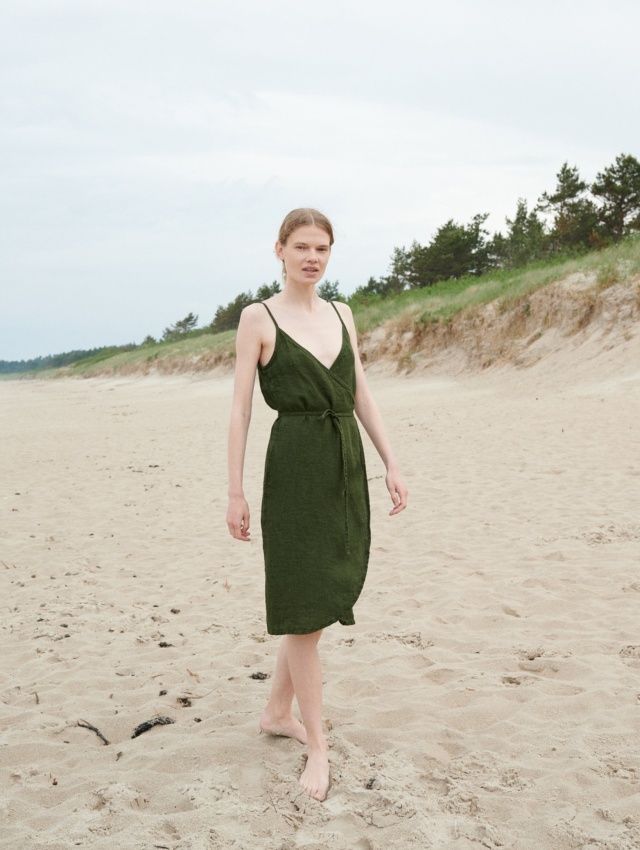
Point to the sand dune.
(489, 695)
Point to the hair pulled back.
(301, 218)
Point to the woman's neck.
(303, 297)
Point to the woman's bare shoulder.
(344, 310)
(254, 311)
(255, 316)
(255, 326)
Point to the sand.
(489, 695)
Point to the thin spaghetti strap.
(270, 313)
(338, 312)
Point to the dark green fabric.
(315, 503)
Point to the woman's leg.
(277, 718)
(298, 670)
(305, 671)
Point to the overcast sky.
(150, 149)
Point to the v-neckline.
(310, 353)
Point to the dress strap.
(270, 313)
(337, 311)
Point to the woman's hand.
(238, 518)
(397, 490)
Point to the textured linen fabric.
(315, 503)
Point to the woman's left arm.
(369, 414)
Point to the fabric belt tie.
(335, 417)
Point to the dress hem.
(308, 631)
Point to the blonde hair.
(303, 217)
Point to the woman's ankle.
(318, 745)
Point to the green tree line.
(55, 361)
(574, 218)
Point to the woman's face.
(306, 254)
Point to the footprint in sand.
(630, 655)
(517, 680)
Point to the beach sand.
(488, 697)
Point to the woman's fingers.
(399, 494)
(239, 532)
(239, 526)
(243, 531)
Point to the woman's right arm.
(248, 348)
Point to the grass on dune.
(448, 298)
(210, 346)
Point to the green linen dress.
(315, 503)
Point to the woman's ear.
(279, 251)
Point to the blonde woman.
(315, 505)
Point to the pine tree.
(267, 290)
(575, 220)
(330, 291)
(525, 240)
(618, 188)
(455, 251)
(228, 318)
(180, 328)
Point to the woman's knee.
(311, 637)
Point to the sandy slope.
(489, 695)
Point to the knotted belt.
(335, 417)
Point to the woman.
(315, 507)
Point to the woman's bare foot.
(286, 727)
(315, 777)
